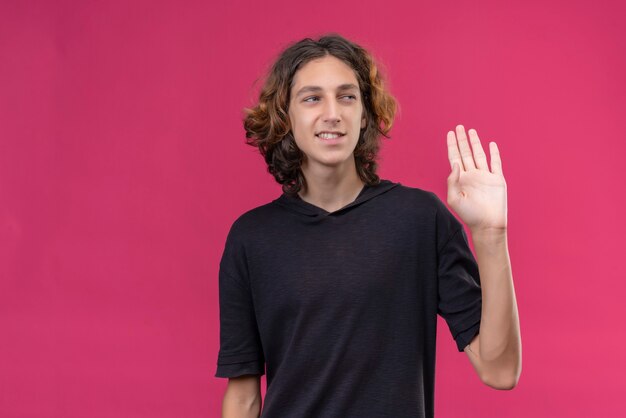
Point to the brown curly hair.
(267, 124)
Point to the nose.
(331, 112)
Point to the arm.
(478, 194)
(496, 352)
(242, 398)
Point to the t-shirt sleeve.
(460, 297)
(240, 350)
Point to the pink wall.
(123, 164)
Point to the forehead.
(328, 72)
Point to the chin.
(335, 160)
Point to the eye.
(310, 97)
(351, 96)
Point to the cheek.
(298, 128)
(303, 122)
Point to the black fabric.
(341, 307)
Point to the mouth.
(330, 135)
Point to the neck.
(331, 188)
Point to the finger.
(479, 154)
(496, 162)
(453, 151)
(464, 148)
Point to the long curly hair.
(267, 124)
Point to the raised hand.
(476, 193)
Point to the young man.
(334, 287)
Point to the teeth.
(328, 136)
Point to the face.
(326, 113)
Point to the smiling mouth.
(327, 135)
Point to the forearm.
(500, 340)
(234, 407)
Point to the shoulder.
(418, 197)
(252, 221)
(446, 221)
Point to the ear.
(363, 122)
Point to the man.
(335, 286)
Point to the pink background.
(123, 164)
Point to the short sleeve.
(460, 296)
(240, 351)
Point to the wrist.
(489, 234)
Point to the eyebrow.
(343, 87)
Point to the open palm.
(476, 193)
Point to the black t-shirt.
(341, 307)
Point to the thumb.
(454, 176)
(453, 179)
